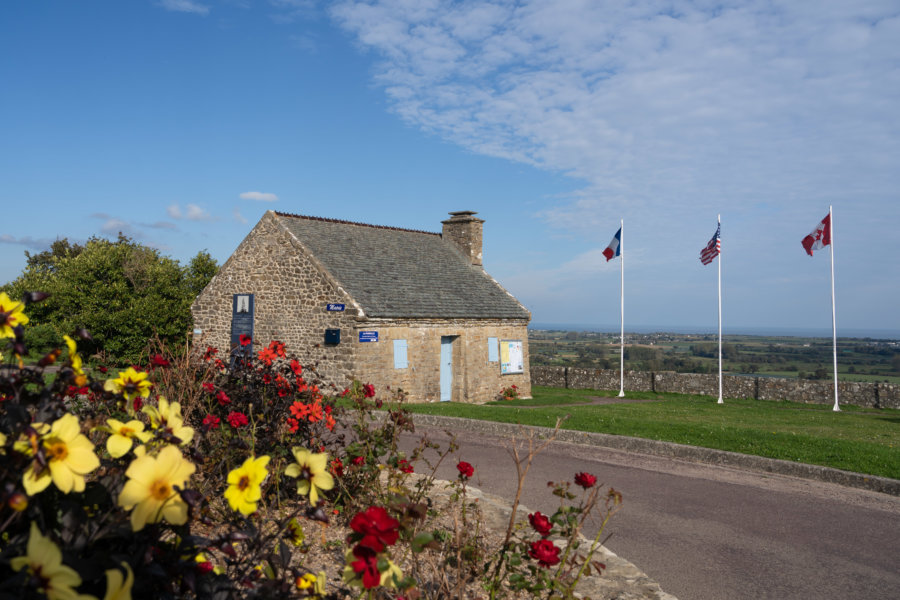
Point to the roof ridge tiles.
(342, 222)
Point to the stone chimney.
(463, 229)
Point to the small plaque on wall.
(368, 336)
(332, 337)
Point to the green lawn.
(855, 439)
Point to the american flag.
(713, 248)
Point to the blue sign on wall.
(368, 336)
(334, 307)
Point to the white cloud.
(188, 6)
(239, 217)
(655, 106)
(40, 244)
(666, 114)
(259, 196)
(191, 212)
(195, 213)
(113, 225)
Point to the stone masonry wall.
(290, 293)
(475, 378)
(878, 395)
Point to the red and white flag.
(713, 248)
(819, 237)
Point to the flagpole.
(622, 332)
(720, 315)
(833, 319)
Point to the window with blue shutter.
(400, 361)
(493, 350)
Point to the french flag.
(614, 248)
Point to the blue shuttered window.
(493, 350)
(400, 361)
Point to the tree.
(122, 292)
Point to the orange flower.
(267, 355)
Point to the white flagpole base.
(720, 401)
(621, 394)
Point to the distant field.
(867, 360)
(856, 439)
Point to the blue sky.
(180, 122)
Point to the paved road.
(717, 533)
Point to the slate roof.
(397, 273)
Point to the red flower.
(368, 390)
(359, 460)
(585, 480)
(267, 355)
(157, 360)
(237, 419)
(210, 352)
(296, 367)
(345, 392)
(204, 567)
(209, 387)
(367, 565)
(211, 422)
(540, 523)
(137, 403)
(245, 340)
(277, 348)
(223, 398)
(102, 369)
(377, 528)
(465, 469)
(337, 467)
(545, 552)
(404, 466)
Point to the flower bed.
(206, 475)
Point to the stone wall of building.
(475, 378)
(291, 292)
(878, 395)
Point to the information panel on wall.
(511, 357)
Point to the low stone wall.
(873, 395)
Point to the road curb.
(872, 483)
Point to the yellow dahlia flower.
(43, 559)
(311, 469)
(70, 456)
(150, 489)
(10, 315)
(129, 383)
(168, 417)
(75, 360)
(123, 434)
(244, 485)
(117, 587)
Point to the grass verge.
(855, 439)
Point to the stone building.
(388, 306)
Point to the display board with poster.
(511, 357)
